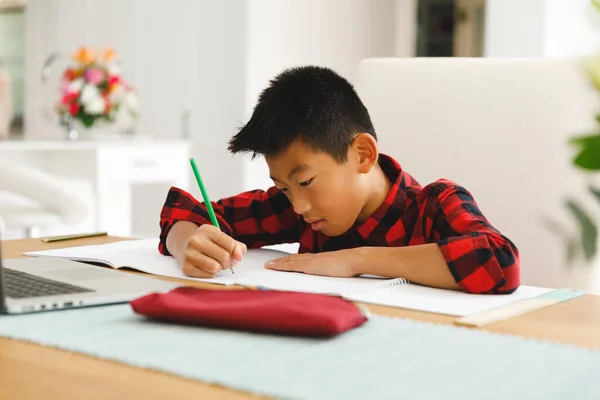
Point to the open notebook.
(142, 255)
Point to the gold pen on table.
(72, 237)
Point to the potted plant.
(581, 245)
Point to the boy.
(353, 210)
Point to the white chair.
(32, 200)
(500, 128)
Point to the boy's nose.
(301, 205)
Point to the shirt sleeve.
(257, 218)
(480, 258)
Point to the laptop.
(42, 284)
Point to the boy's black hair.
(313, 104)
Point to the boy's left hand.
(332, 263)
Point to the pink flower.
(70, 98)
(64, 87)
(95, 76)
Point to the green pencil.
(209, 208)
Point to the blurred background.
(173, 79)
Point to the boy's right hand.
(208, 251)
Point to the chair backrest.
(500, 128)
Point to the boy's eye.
(284, 190)
(306, 183)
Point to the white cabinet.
(130, 178)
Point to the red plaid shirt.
(480, 258)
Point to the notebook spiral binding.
(395, 282)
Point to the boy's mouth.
(316, 224)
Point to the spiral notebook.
(142, 255)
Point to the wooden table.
(33, 371)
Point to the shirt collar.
(387, 214)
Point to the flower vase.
(71, 127)
(72, 132)
(100, 130)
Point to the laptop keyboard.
(21, 285)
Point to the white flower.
(96, 106)
(113, 69)
(75, 86)
(89, 94)
(130, 101)
(116, 95)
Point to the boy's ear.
(365, 152)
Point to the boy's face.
(328, 195)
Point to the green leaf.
(87, 120)
(589, 154)
(571, 243)
(588, 158)
(596, 192)
(596, 3)
(555, 227)
(587, 140)
(572, 249)
(588, 230)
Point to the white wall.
(332, 33)
(405, 28)
(573, 28)
(515, 28)
(541, 28)
(216, 83)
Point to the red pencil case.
(270, 311)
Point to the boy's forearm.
(423, 264)
(179, 233)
